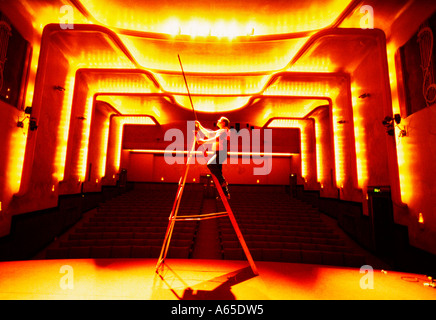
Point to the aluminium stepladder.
(174, 217)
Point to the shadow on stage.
(216, 288)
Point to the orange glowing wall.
(12, 144)
(371, 103)
(306, 169)
(141, 157)
(98, 138)
(414, 152)
(114, 153)
(325, 154)
(152, 168)
(13, 139)
(73, 176)
(39, 168)
(337, 169)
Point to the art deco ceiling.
(233, 52)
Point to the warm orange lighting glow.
(339, 140)
(283, 87)
(103, 148)
(162, 179)
(83, 153)
(315, 65)
(63, 129)
(230, 153)
(319, 154)
(296, 123)
(105, 85)
(212, 104)
(287, 88)
(403, 148)
(285, 123)
(216, 85)
(420, 218)
(101, 59)
(359, 136)
(122, 83)
(118, 130)
(203, 19)
(16, 150)
(234, 57)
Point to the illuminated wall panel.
(335, 89)
(308, 170)
(83, 110)
(115, 140)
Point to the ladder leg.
(174, 211)
(235, 226)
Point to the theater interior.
(332, 109)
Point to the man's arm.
(204, 131)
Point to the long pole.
(187, 88)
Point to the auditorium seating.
(275, 227)
(132, 225)
(279, 228)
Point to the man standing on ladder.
(218, 139)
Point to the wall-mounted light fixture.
(32, 123)
(58, 88)
(391, 122)
(20, 123)
(421, 220)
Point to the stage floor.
(132, 279)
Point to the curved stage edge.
(192, 279)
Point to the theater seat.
(271, 254)
(292, 256)
(178, 252)
(120, 252)
(79, 252)
(140, 252)
(100, 252)
(233, 254)
(354, 260)
(58, 253)
(333, 258)
(311, 256)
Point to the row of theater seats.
(132, 225)
(279, 228)
(274, 226)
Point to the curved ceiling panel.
(213, 84)
(213, 56)
(224, 18)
